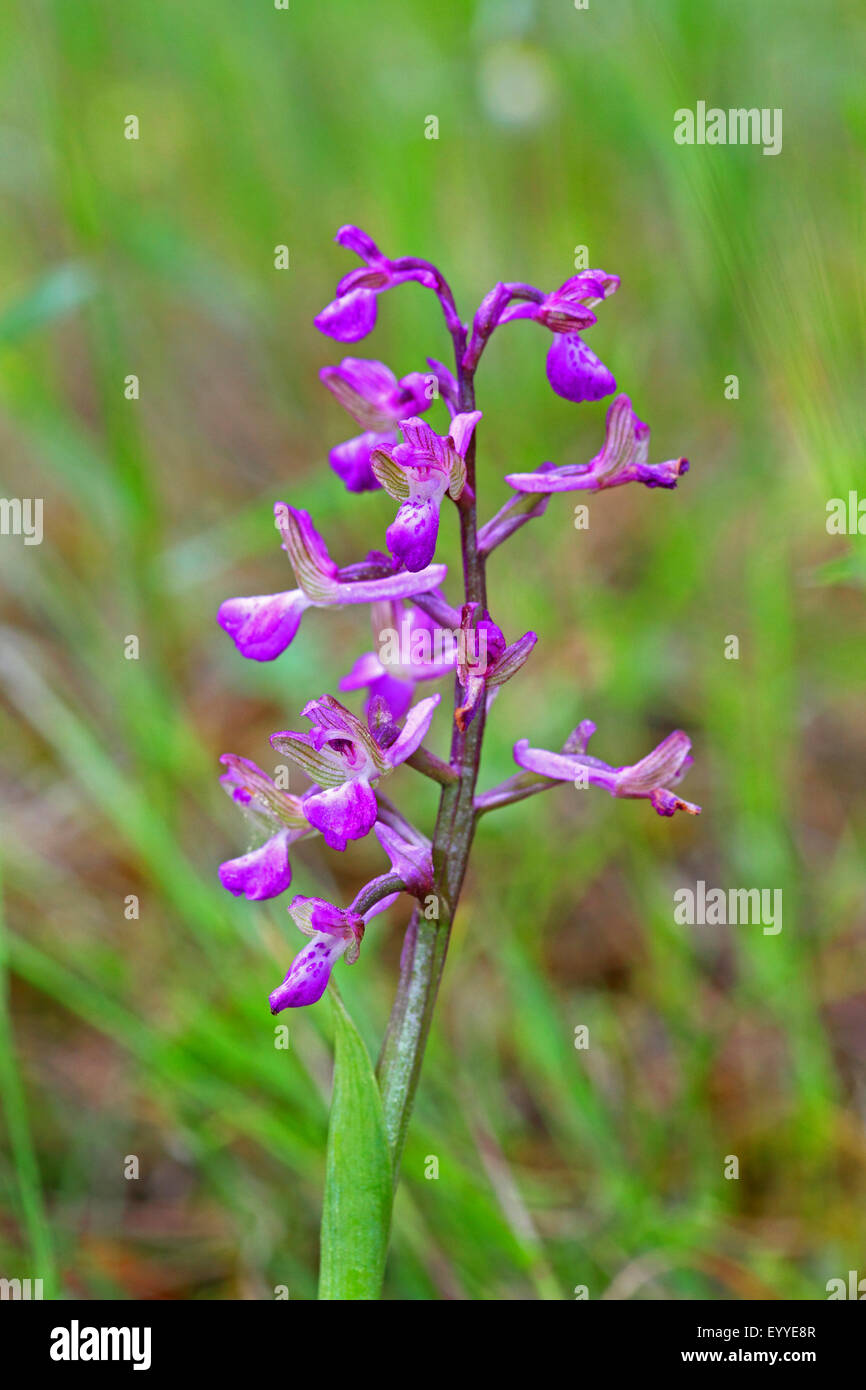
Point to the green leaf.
(356, 1217)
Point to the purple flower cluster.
(419, 636)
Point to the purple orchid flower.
(264, 872)
(378, 401)
(667, 763)
(410, 648)
(341, 754)
(417, 474)
(573, 369)
(352, 315)
(262, 626)
(568, 309)
(335, 932)
(486, 662)
(621, 459)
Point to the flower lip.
(263, 625)
(262, 873)
(349, 317)
(574, 371)
(309, 973)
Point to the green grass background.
(557, 1167)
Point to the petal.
(257, 793)
(262, 626)
(521, 310)
(417, 394)
(423, 440)
(309, 973)
(317, 915)
(560, 316)
(456, 475)
(666, 803)
(343, 813)
(413, 731)
(389, 474)
(546, 764)
(367, 669)
(381, 906)
(413, 532)
(332, 717)
(322, 767)
(578, 739)
(367, 389)
(516, 512)
(575, 372)
(351, 460)
(566, 767)
(396, 693)
(354, 239)
(569, 479)
(325, 916)
(348, 318)
(488, 646)
(308, 555)
(658, 767)
(461, 430)
(412, 862)
(445, 378)
(512, 659)
(661, 474)
(590, 287)
(619, 439)
(263, 873)
(403, 585)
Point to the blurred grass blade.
(356, 1216)
(57, 293)
(13, 1105)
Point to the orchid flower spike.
(341, 754)
(373, 396)
(621, 459)
(650, 778)
(417, 474)
(262, 626)
(410, 648)
(352, 315)
(264, 872)
(333, 933)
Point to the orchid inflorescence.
(346, 757)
